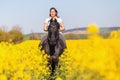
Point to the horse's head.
(53, 32)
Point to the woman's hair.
(55, 11)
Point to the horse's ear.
(51, 20)
(55, 20)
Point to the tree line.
(14, 35)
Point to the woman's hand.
(45, 27)
(62, 27)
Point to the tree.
(16, 34)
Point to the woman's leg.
(62, 38)
(43, 39)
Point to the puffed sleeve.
(60, 20)
(47, 20)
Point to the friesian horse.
(53, 45)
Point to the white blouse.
(59, 20)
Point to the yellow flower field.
(91, 59)
(94, 58)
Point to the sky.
(31, 14)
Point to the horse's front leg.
(54, 59)
(56, 54)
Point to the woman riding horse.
(53, 43)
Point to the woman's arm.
(62, 27)
(45, 27)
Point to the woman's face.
(53, 13)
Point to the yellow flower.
(92, 28)
(58, 78)
(3, 77)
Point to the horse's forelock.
(54, 24)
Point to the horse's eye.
(49, 38)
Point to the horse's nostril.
(53, 40)
(54, 58)
(54, 43)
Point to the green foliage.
(35, 36)
(104, 35)
(4, 36)
(75, 36)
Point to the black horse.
(53, 45)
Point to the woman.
(54, 15)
